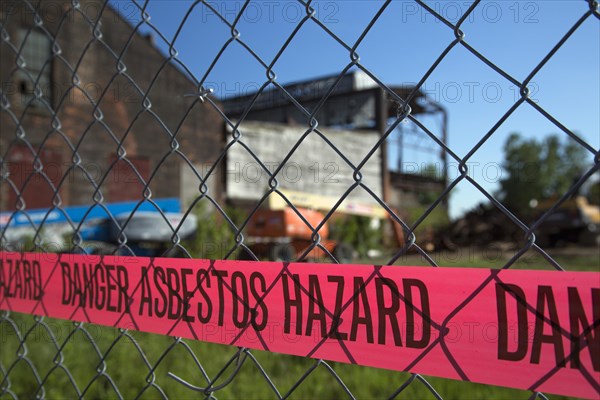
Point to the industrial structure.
(94, 108)
(357, 109)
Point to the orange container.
(286, 223)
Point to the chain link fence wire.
(48, 358)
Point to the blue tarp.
(91, 216)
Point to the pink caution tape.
(534, 330)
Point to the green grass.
(575, 259)
(126, 368)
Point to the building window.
(36, 51)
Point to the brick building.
(79, 87)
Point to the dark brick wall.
(142, 130)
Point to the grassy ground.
(128, 371)
(126, 368)
(569, 258)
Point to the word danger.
(512, 305)
(95, 286)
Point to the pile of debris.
(482, 226)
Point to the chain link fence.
(48, 358)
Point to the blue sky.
(401, 46)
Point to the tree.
(538, 169)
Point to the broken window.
(35, 49)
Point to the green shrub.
(356, 231)
(215, 237)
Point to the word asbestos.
(544, 336)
